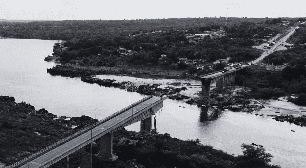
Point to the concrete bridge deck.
(138, 111)
(217, 74)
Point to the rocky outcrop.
(149, 89)
(301, 121)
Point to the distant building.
(163, 56)
(183, 59)
(221, 61)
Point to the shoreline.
(69, 70)
(181, 89)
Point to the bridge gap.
(222, 80)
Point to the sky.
(145, 9)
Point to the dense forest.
(68, 29)
(143, 42)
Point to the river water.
(23, 75)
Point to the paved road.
(220, 73)
(273, 48)
(74, 144)
(266, 53)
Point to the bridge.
(224, 78)
(100, 131)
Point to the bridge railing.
(131, 117)
(127, 121)
(80, 132)
(210, 73)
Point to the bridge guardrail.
(80, 132)
(210, 73)
(135, 114)
(112, 128)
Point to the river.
(23, 75)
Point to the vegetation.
(149, 43)
(148, 48)
(268, 84)
(293, 55)
(25, 130)
(80, 29)
(299, 37)
(162, 151)
(292, 78)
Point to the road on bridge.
(66, 148)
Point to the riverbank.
(71, 70)
(282, 110)
(236, 98)
(25, 131)
(179, 88)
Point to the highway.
(275, 46)
(256, 61)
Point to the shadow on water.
(204, 114)
(209, 114)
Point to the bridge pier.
(106, 147)
(85, 159)
(226, 79)
(105, 152)
(146, 125)
(232, 78)
(67, 161)
(205, 86)
(220, 83)
(204, 113)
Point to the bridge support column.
(205, 87)
(232, 77)
(220, 83)
(226, 80)
(204, 113)
(146, 125)
(106, 147)
(68, 161)
(85, 159)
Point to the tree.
(192, 70)
(254, 156)
(182, 65)
(301, 100)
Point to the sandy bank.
(281, 107)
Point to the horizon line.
(31, 20)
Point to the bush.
(254, 156)
(267, 93)
(301, 100)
